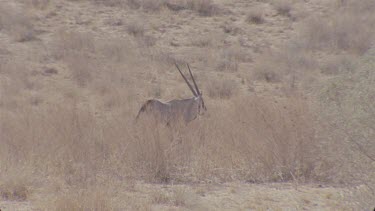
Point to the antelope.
(175, 110)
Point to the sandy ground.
(231, 196)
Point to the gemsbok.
(176, 110)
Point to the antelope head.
(198, 95)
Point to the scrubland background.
(289, 87)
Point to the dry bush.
(82, 67)
(202, 41)
(17, 22)
(136, 28)
(38, 4)
(203, 7)
(349, 31)
(255, 16)
(87, 55)
(76, 50)
(283, 7)
(111, 3)
(229, 58)
(14, 189)
(68, 42)
(285, 65)
(146, 41)
(152, 5)
(223, 89)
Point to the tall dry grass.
(261, 140)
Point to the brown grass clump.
(14, 190)
(136, 28)
(284, 65)
(17, 23)
(223, 89)
(340, 32)
(229, 58)
(203, 7)
(38, 4)
(283, 7)
(255, 16)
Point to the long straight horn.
(187, 82)
(192, 77)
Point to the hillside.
(288, 87)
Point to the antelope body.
(175, 110)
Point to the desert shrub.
(203, 41)
(136, 28)
(283, 7)
(223, 89)
(17, 22)
(285, 65)
(255, 16)
(82, 68)
(340, 33)
(14, 189)
(72, 42)
(229, 58)
(111, 3)
(203, 7)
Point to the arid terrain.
(289, 87)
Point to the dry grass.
(67, 106)
(136, 28)
(223, 89)
(14, 189)
(283, 7)
(88, 199)
(339, 32)
(17, 23)
(163, 155)
(349, 117)
(255, 16)
(229, 58)
(204, 8)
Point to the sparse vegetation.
(14, 190)
(283, 7)
(255, 16)
(136, 28)
(221, 88)
(17, 23)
